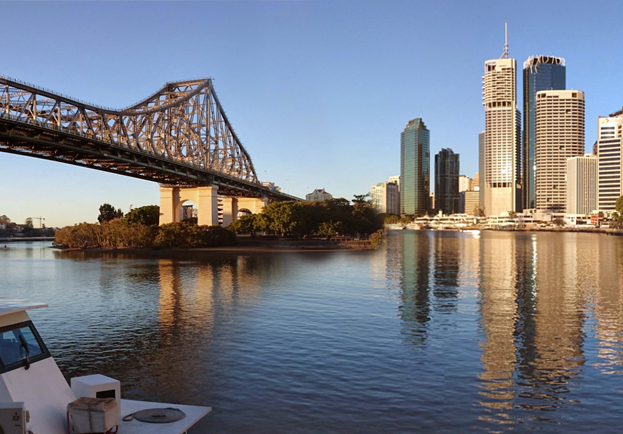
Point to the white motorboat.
(34, 394)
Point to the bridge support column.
(172, 199)
(169, 199)
(207, 205)
(255, 205)
(230, 210)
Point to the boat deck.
(193, 414)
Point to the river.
(434, 332)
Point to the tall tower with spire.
(502, 135)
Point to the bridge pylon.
(172, 198)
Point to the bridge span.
(179, 137)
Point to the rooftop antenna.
(505, 55)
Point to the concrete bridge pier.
(252, 204)
(172, 199)
(230, 210)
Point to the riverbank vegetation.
(335, 217)
(139, 229)
(295, 220)
(119, 233)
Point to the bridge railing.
(53, 92)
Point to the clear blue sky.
(317, 91)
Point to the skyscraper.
(559, 134)
(414, 168)
(447, 181)
(582, 184)
(539, 73)
(502, 136)
(609, 143)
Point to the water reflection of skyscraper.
(532, 312)
(415, 309)
(498, 307)
(553, 339)
(609, 308)
(430, 265)
(446, 254)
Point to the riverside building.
(559, 135)
(609, 136)
(539, 73)
(414, 168)
(502, 136)
(385, 197)
(447, 168)
(582, 184)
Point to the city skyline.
(314, 101)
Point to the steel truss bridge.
(179, 136)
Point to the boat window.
(20, 345)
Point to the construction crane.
(40, 220)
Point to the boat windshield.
(20, 344)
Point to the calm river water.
(434, 332)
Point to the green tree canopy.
(108, 213)
(360, 198)
(389, 219)
(146, 215)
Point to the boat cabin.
(34, 394)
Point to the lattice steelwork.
(183, 123)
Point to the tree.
(4, 220)
(108, 213)
(329, 229)
(477, 212)
(249, 224)
(389, 219)
(28, 222)
(284, 217)
(360, 198)
(618, 205)
(146, 215)
(559, 222)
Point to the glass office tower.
(539, 73)
(414, 168)
(447, 181)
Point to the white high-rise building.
(502, 136)
(396, 180)
(582, 184)
(385, 197)
(609, 142)
(558, 135)
(465, 183)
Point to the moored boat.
(34, 395)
